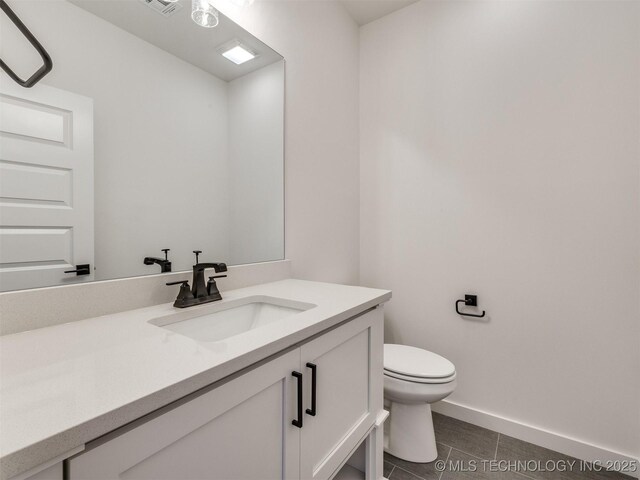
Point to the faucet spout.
(165, 265)
(199, 288)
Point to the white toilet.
(413, 379)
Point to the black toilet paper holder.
(469, 301)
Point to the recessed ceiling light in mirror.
(203, 13)
(237, 53)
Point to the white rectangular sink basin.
(215, 322)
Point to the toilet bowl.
(414, 379)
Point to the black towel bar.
(46, 59)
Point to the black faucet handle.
(184, 295)
(166, 253)
(212, 287)
(197, 252)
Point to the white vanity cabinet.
(243, 429)
(349, 390)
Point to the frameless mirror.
(152, 132)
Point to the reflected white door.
(46, 186)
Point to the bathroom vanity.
(280, 380)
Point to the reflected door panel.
(46, 185)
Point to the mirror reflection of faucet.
(165, 265)
(199, 293)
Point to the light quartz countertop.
(65, 385)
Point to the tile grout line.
(467, 453)
(525, 476)
(446, 445)
(495, 457)
(461, 451)
(394, 467)
(445, 463)
(484, 460)
(409, 472)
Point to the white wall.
(499, 156)
(157, 120)
(256, 187)
(319, 42)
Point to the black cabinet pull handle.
(84, 269)
(312, 411)
(298, 421)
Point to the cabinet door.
(348, 364)
(239, 430)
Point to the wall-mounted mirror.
(152, 132)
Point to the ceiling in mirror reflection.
(180, 36)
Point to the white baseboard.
(544, 438)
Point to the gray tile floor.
(469, 452)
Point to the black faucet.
(199, 290)
(165, 265)
(199, 293)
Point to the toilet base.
(411, 436)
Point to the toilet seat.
(416, 365)
(409, 378)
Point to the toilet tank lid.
(416, 362)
